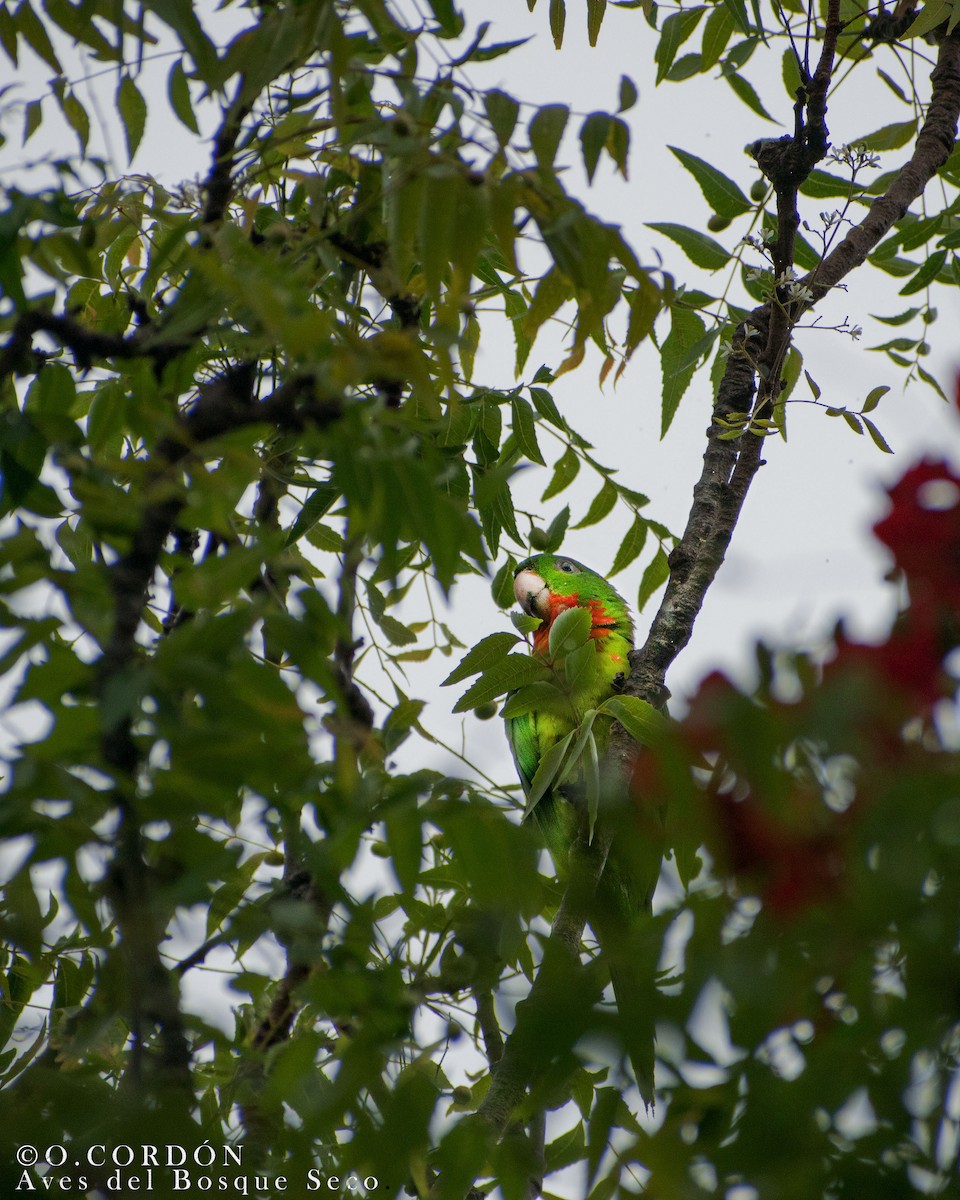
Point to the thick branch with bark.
(224, 405)
(729, 467)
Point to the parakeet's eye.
(563, 565)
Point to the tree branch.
(730, 466)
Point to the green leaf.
(656, 573)
(595, 12)
(929, 17)
(628, 94)
(565, 471)
(178, 93)
(641, 720)
(630, 547)
(593, 137)
(570, 629)
(541, 697)
(600, 505)
(673, 33)
(437, 217)
(513, 671)
(820, 185)
(544, 403)
(545, 130)
(558, 19)
(874, 396)
(903, 318)
(450, 22)
(702, 250)
(525, 430)
(75, 114)
(716, 34)
(893, 86)
(133, 113)
(547, 772)
(484, 654)
(33, 31)
(721, 193)
(316, 505)
(890, 137)
(738, 11)
(746, 92)
(790, 70)
(926, 274)
(502, 113)
(32, 117)
(181, 16)
(678, 361)
(876, 436)
(556, 530)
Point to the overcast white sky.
(802, 555)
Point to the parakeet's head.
(546, 584)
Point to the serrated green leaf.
(600, 505)
(546, 772)
(75, 114)
(874, 396)
(32, 117)
(721, 193)
(133, 113)
(630, 547)
(890, 137)
(820, 185)
(876, 436)
(437, 217)
(716, 34)
(673, 33)
(543, 402)
(903, 318)
(525, 429)
(929, 17)
(541, 697)
(926, 274)
(545, 130)
(556, 530)
(558, 19)
(702, 250)
(641, 720)
(570, 629)
(677, 361)
(565, 471)
(33, 31)
(746, 92)
(524, 623)
(178, 93)
(316, 505)
(483, 655)
(656, 573)
(509, 673)
(593, 137)
(595, 12)
(502, 113)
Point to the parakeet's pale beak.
(532, 593)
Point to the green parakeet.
(545, 586)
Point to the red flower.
(923, 531)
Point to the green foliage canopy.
(243, 423)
